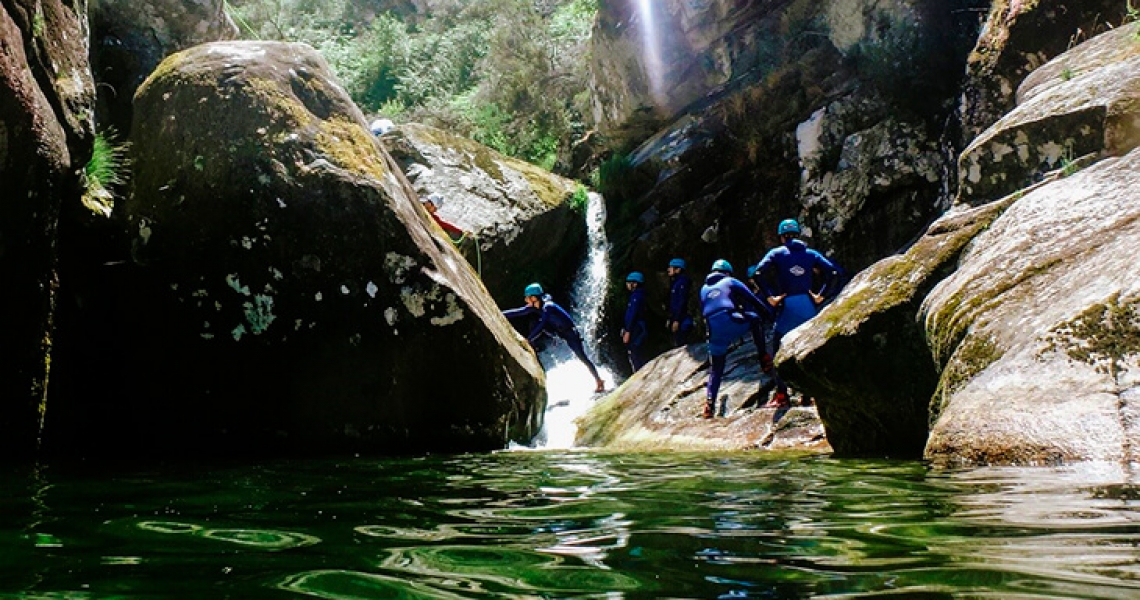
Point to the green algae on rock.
(288, 278)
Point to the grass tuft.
(106, 172)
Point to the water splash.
(569, 386)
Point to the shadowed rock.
(46, 128)
(1018, 37)
(130, 37)
(289, 295)
(1082, 103)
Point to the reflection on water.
(258, 538)
(531, 525)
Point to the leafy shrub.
(508, 73)
(580, 199)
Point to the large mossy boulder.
(525, 220)
(660, 407)
(129, 38)
(1018, 37)
(1037, 334)
(1027, 315)
(1082, 103)
(46, 128)
(865, 356)
(290, 293)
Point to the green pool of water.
(568, 525)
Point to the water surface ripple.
(570, 525)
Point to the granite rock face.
(523, 218)
(1037, 334)
(1007, 334)
(660, 408)
(288, 292)
(129, 38)
(1018, 37)
(1082, 104)
(865, 356)
(46, 131)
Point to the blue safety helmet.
(788, 226)
(635, 277)
(722, 265)
(678, 263)
(532, 290)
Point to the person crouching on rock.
(730, 310)
(634, 331)
(432, 204)
(553, 320)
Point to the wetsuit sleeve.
(831, 274)
(521, 311)
(764, 275)
(744, 297)
(679, 299)
(632, 310)
(448, 227)
(539, 326)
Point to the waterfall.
(569, 386)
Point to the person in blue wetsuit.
(730, 310)
(785, 276)
(553, 320)
(679, 323)
(634, 331)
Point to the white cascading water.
(569, 386)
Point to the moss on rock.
(1105, 336)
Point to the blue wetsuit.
(731, 310)
(634, 325)
(553, 320)
(792, 266)
(679, 309)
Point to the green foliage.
(1066, 74)
(1132, 17)
(507, 73)
(38, 22)
(580, 198)
(619, 180)
(105, 172)
(1069, 165)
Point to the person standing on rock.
(785, 276)
(679, 323)
(730, 310)
(634, 331)
(553, 320)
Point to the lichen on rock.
(298, 216)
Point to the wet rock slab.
(660, 407)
